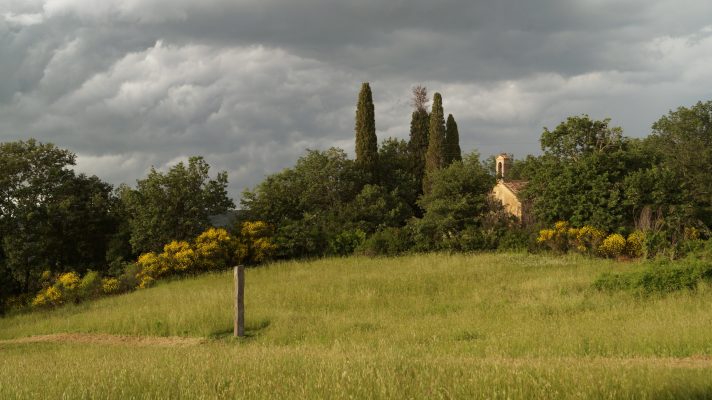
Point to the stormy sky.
(251, 84)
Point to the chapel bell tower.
(503, 162)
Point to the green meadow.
(422, 326)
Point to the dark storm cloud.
(250, 84)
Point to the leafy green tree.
(375, 208)
(366, 141)
(588, 192)
(524, 169)
(51, 218)
(436, 135)
(579, 136)
(452, 150)
(82, 224)
(581, 177)
(658, 190)
(9, 287)
(307, 204)
(457, 202)
(34, 174)
(682, 141)
(397, 175)
(175, 205)
(118, 245)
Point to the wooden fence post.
(239, 329)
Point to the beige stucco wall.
(510, 202)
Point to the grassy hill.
(425, 326)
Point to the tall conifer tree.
(452, 141)
(436, 136)
(366, 141)
(418, 143)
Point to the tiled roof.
(515, 186)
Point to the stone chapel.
(508, 191)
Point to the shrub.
(659, 278)
(90, 286)
(586, 239)
(68, 285)
(214, 249)
(46, 279)
(635, 244)
(556, 239)
(389, 242)
(516, 240)
(472, 238)
(655, 243)
(110, 285)
(129, 279)
(691, 233)
(177, 257)
(69, 280)
(613, 246)
(254, 243)
(50, 296)
(151, 266)
(346, 242)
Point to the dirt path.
(107, 339)
(697, 361)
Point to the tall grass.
(426, 326)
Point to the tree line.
(420, 194)
(55, 220)
(396, 196)
(424, 195)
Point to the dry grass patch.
(106, 339)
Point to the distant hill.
(225, 220)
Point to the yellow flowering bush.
(177, 257)
(254, 243)
(635, 244)
(613, 246)
(691, 233)
(52, 296)
(69, 280)
(556, 239)
(46, 278)
(40, 300)
(586, 239)
(110, 285)
(214, 249)
(68, 285)
(151, 266)
(545, 235)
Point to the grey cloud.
(250, 84)
(450, 40)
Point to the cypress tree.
(436, 136)
(366, 141)
(418, 143)
(452, 141)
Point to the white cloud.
(27, 19)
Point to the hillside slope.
(425, 326)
